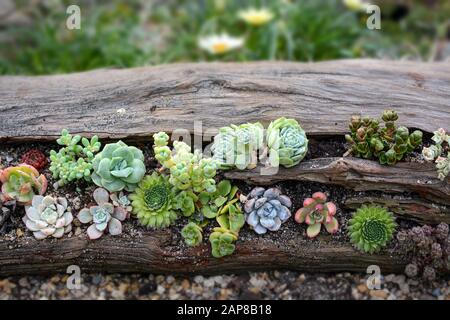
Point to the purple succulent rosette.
(266, 209)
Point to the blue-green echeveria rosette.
(266, 209)
(118, 167)
(287, 142)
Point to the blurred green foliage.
(141, 32)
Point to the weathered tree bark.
(359, 175)
(155, 252)
(421, 211)
(138, 102)
(322, 96)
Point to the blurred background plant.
(34, 38)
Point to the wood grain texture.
(418, 210)
(322, 96)
(359, 175)
(155, 252)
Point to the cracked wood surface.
(322, 96)
(155, 252)
(360, 175)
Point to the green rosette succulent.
(287, 142)
(371, 228)
(185, 202)
(237, 146)
(192, 234)
(222, 242)
(152, 201)
(118, 167)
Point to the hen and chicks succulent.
(371, 228)
(389, 143)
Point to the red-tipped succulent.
(35, 158)
(315, 212)
(21, 183)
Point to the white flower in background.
(355, 5)
(219, 44)
(256, 17)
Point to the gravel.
(261, 285)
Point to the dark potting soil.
(79, 195)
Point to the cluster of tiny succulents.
(35, 158)
(237, 146)
(287, 142)
(104, 216)
(74, 160)
(266, 209)
(48, 216)
(389, 143)
(428, 249)
(433, 153)
(152, 201)
(21, 183)
(118, 167)
(188, 171)
(317, 212)
(371, 228)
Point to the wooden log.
(156, 252)
(360, 175)
(322, 96)
(417, 210)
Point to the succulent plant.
(443, 166)
(428, 249)
(237, 146)
(389, 144)
(73, 161)
(266, 209)
(48, 216)
(21, 183)
(371, 228)
(118, 167)
(222, 242)
(121, 202)
(315, 212)
(188, 171)
(433, 152)
(287, 142)
(185, 202)
(152, 201)
(35, 158)
(192, 234)
(104, 216)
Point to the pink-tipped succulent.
(21, 183)
(315, 212)
(104, 216)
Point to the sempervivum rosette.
(287, 142)
(266, 209)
